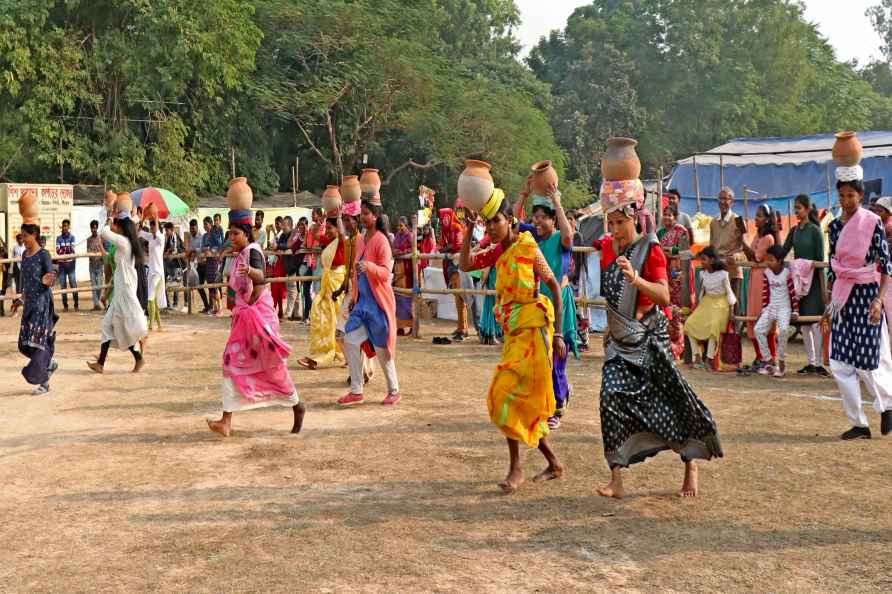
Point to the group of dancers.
(646, 404)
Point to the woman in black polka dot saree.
(646, 404)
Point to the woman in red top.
(646, 404)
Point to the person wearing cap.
(646, 404)
(860, 265)
(521, 395)
(255, 359)
(124, 324)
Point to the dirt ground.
(114, 483)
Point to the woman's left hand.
(49, 279)
(560, 347)
(630, 273)
(876, 312)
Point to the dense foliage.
(172, 92)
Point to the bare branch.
(413, 165)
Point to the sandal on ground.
(307, 363)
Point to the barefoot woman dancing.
(255, 370)
(646, 404)
(521, 396)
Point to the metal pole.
(659, 216)
(829, 189)
(721, 172)
(697, 182)
(746, 204)
(293, 189)
(232, 161)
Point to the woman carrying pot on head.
(37, 335)
(860, 265)
(646, 404)
(255, 369)
(521, 395)
(371, 326)
(124, 323)
(807, 243)
(325, 351)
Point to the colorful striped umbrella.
(167, 203)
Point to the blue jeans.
(67, 280)
(97, 278)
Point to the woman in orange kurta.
(767, 227)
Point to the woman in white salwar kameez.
(124, 323)
(157, 289)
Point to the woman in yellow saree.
(521, 396)
(324, 348)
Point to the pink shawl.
(379, 259)
(802, 271)
(255, 357)
(851, 251)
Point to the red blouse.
(339, 259)
(654, 269)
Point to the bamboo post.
(232, 161)
(697, 182)
(746, 204)
(721, 171)
(659, 207)
(789, 211)
(417, 303)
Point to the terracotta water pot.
(124, 203)
(621, 161)
(331, 199)
(110, 198)
(475, 184)
(28, 207)
(847, 150)
(150, 212)
(351, 191)
(543, 176)
(239, 196)
(370, 181)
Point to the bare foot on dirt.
(691, 485)
(613, 489)
(549, 474)
(299, 411)
(219, 427)
(512, 481)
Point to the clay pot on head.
(370, 181)
(28, 207)
(543, 176)
(475, 184)
(239, 196)
(110, 198)
(124, 203)
(847, 150)
(351, 191)
(621, 161)
(331, 199)
(150, 212)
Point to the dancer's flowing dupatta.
(848, 263)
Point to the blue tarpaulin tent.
(778, 169)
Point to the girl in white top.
(157, 290)
(716, 302)
(124, 323)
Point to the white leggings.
(773, 313)
(814, 343)
(353, 351)
(878, 382)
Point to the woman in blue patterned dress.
(860, 267)
(37, 337)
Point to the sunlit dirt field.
(114, 483)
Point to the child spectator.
(779, 304)
(715, 304)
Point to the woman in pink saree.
(255, 370)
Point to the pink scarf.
(851, 251)
(255, 357)
(802, 271)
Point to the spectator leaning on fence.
(97, 264)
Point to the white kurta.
(157, 290)
(124, 323)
